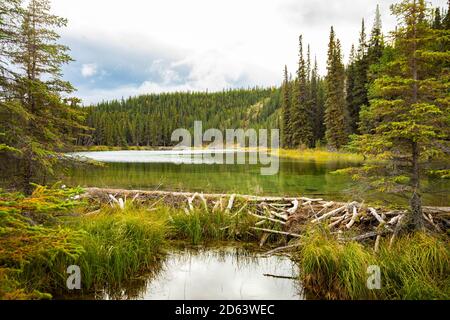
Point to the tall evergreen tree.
(409, 108)
(301, 126)
(376, 42)
(361, 68)
(351, 77)
(286, 106)
(48, 121)
(446, 20)
(336, 115)
(317, 106)
(437, 21)
(308, 65)
(9, 14)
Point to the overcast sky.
(130, 47)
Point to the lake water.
(170, 170)
(222, 273)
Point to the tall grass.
(113, 247)
(200, 225)
(41, 235)
(416, 267)
(119, 244)
(332, 270)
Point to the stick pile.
(351, 221)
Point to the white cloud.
(89, 70)
(223, 42)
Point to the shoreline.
(103, 193)
(320, 154)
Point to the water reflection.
(216, 273)
(305, 177)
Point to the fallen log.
(329, 214)
(231, 202)
(294, 208)
(396, 229)
(394, 219)
(279, 277)
(241, 209)
(337, 221)
(260, 223)
(282, 248)
(377, 243)
(430, 221)
(353, 219)
(266, 218)
(277, 232)
(363, 236)
(376, 215)
(278, 215)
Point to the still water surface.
(221, 273)
(169, 170)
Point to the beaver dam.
(262, 234)
(283, 215)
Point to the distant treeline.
(149, 120)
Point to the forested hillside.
(149, 120)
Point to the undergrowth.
(417, 266)
(41, 235)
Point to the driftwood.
(277, 232)
(429, 218)
(266, 218)
(231, 202)
(362, 236)
(278, 215)
(396, 230)
(337, 221)
(376, 215)
(353, 219)
(329, 214)
(283, 248)
(294, 208)
(377, 243)
(279, 277)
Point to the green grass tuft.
(415, 267)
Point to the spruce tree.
(9, 14)
(317, 105)
(361, 68)
(437, 21)
(336, 115)
(376, 42)
(301, 126)
(48, 121)
(409, 107)
(286, 106)
(446, 20)
(350, 91)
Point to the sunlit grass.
(319, 155)
(119, 244)
(417, 266)
(200, 225)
